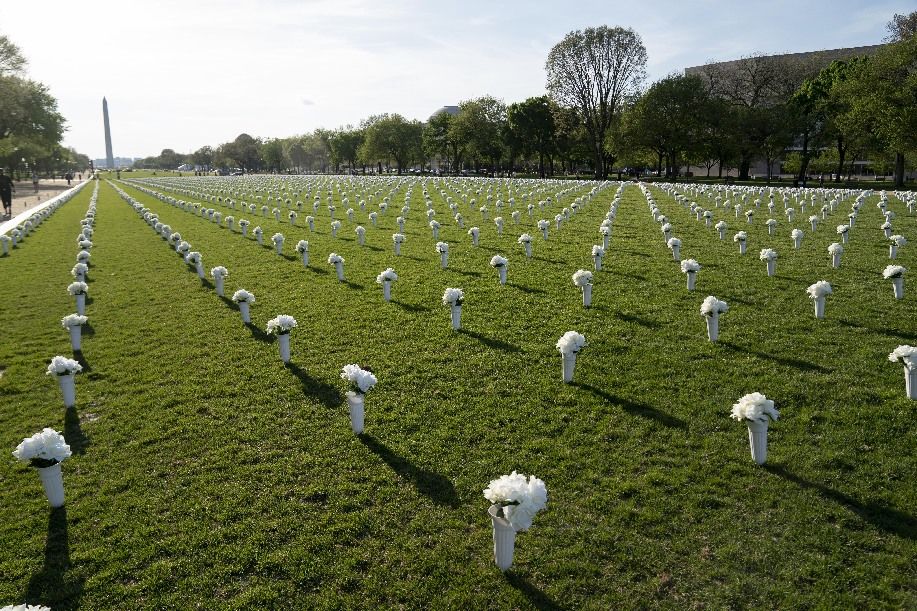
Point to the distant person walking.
(69, 177)
(6, 194)
(35, 181)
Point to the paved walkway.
(25, 197)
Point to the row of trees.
(31, 128)
(597, 116)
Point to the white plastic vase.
(218, 282)
(387, 290)
(76, 337)
(401, 226)
(81, 304)
(260, 238)
(722, 234)
(474, 239)
(749, 219)
(504, 539)
(357, 411)
(742, 246)
(676, 253)
(456, 317)
(277, 216)
(6, 247)
(819, 307)
(528, 249)
(52, 480)
(770, 230)
(568, 363)
(361, 238)
(312, 225)
(278, 247)
(797, 242)
(713, 326)
(283, 342)
(544, 233)
(814, 225)
(444, 259)
(892, 251)
(757, 439)
(898, 287)
(243, 308)
(771, 267)
(244, 231)
(68, 388)
(502, 271)
(397, 248)
(339, 268)
(708, 222)
(844, 237)
(597, 263)
(305, 259)
(910, 380)
(200, 271)
(836, 260)
(587, 295)
(605, 240)
(692, 280)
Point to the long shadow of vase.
(51, 586)
(433, 485)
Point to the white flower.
(754, 406)
(898, 240)
(43, 449)
(835, 248)
(25, 607)
(277, 238)
(543, 224)
(886, 225)
(360, 230)
(673, 242)
(281, 324)
(813, 218)
(894, 271)
(819, 289)
(79, 268)
(841, 229)
(61, 366)
(721, 226)
(397, 238)
(77, 288)
(184, 247)
(740, 237)
(453, 297)
(768, 254)
(243, 296)
(73, 320)
(571, 342)
(257, 230)
(605, 229)
(434, 224)
(689, 265)
(901, 353)
(302, 246)
(362, 380)
(388, 275)
(442, 247)
(666, 227)
(582, 277)
(474, 231)
(193, 257)
(598, 251)
(219, 272)
(335, 258)
(520, 499)
(712, 305)
(498, 261)
(524, 238)
(796, 233)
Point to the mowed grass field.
(206, 474)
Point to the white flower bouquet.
(690, 267)
(79, 272)
(895, 273)
(583, 279)
(219, 274)
(835, 250)
(385, 279)
(244, 299)
(674, 245)
(453, 298)
(769, 256)
(897, 241)
(500, 263)
(277, 240)
(64, 369)
(281, 327)
(434, 227)
(443, 249)
(362, 381)
(45, 451)
(818, 292)
(259, 235)
(796, 234)
(310, 221)
(710, 309)
(598, 252)
(498, 221)
(721, 228)
(514, 503)
(569, 345)
(73, 324)
(526, 241)
(338, 262)
(843, 231)
(742, 239)
(77, 288)
(907, 356)
(400, 221)
(474, 232)
(756, 411)
(544, 225)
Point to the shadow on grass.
(885, 518)
(410, 307)
(373, 248)
(73, 433)
(433, 485)
(229, 302)
(490, 342)
(290, 257)
(546, 260)
(465, 272)
(643, 322)
(788, 362)
(320, 391)
(88, 329)
(634, 408)
(207, 284)
(539, 599)
(50, 586)
(904, 335)
(79, 358)
(627, 274)
(352, 285)
(259, 334)
(528, 289)
(636, 253)
(318, 270)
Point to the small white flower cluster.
(77, 288)
(519, 497)
(62, 366)
(754, 406)
(835, 248)
(582, 277)
(740, 237)
(453, 297)
(498, 261)
(571, 342)
(894, 271)
(442, 247)
(281, 324)
(362, 380)
(302, 247)
(219, 272)
(903, 354)
(524, 239)
(243, 296)
(819, 289)
(388, 275)
(768, 254)
(73, 320)
(689, 265)
(712, 305)
(335, 258)
(43, 449)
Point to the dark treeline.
(795, 113)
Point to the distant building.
(822, 58)
(117, 162)
(450, 110)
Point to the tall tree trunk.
(841, 153)
(659, 165)
(899, 170)
(744, 166)
(804, 166)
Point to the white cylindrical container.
(819, 307)
(76, 337)
(474, 240)
(52, 480)
(218, 282)
(836, 260)
(357, 411)
(771, 267)
(888, 232)
(676, 253)
(444, 259)
(797, 242)
(528, 250)
(742, 246)
(814, 225)
(713, 326)
(68, 388)
(278, 247)
(283, 341)
(456, 317)
(397, 248)
(361, 238)
(597, 262)
(892, 251)
(260, 238)
(387, 290)
(502, 271)
(244, 231)
(898, 287)
(436, 233)
(757, 439)
(200, 271)
(722, 234)
(844, 237)
(910, 381)
(587, 295)
(605, 240)
(544, 233)
(339, 267)
(305, 259)
(568, 362)
(708, 222)
(504, 539)
(243, 308)
(692, 279)
(770, 229)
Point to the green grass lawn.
(207, 474)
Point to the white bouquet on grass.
(907, 356)
(43, 449)
(77, 288)
(259, 234)
(710, 309)
(721, 228)
(690, 267)
(443, 249)
(518, 499)
(385, 279)
(741, 238)
(277, 239)
(500, 263)
(79, 271)
(338, 262)
(674, 245)
(818, 292)
(843, 231)
(893, 271)
(569, 345)
(756, 411)
(362, 381)
(583, 279)
(897, 241)
(598, 252)
(73, 320)
(474, 232)
(281, 324)
(219, 274)
(244, 299)
(526, 241)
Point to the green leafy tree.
(532, 124)
(392, 137)
(478, 129)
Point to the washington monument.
(109, 158)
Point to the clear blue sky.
(184, 74)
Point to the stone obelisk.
(109, 157)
